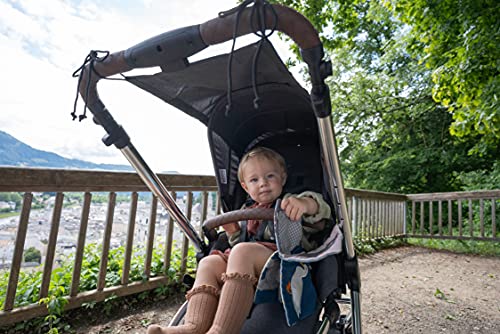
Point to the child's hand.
(231, 228)
(296, 207)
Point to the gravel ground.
(404, 290)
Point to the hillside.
(16, 153)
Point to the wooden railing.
(373, 215)
(376, 215)
(62, 182)
(458, 215)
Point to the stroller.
(247, 98)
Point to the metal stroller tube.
(156, 186)
(170, 51)
(332, 163)
(156, 52)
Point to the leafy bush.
(29, 283)
(32, 255)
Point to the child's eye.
(253, 180)
(270, 176)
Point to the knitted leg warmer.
(200, 312)
(236, 300)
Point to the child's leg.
(246, 261)
(203, 299)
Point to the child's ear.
(284, 179)
(244, 186)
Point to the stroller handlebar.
(288, 21)
(170, 50)
(238, 215)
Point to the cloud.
(43, 42)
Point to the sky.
(43, 42)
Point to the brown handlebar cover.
(238, 215)
(217, 30)
(289, 21)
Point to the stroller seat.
(246, 98)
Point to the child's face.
(263, 179)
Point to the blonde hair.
(261, 152)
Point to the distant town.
(40, 223)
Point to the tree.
(460, 42)
(32, 255)
(394, 135)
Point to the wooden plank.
(168, 239)
(394, 221)
(493, 218)
(18, 252)
(51, 246)
(62, 180)
(379, 218)
(402, 217)
(185, 241)
(362, 218)
(372, 219)
(481, 216)
(422, 218)
(75, 282)
(471, 219)
(349, 208)
(204, 212)
(359, 218)
(450, 218)
(369, 194)
(129, 245)
(390, 208)
(485, 194)
(431, 216)
(218, 205)
(386, 218)
(440, 217)
(101, 279)
(368, 219)
(35, 310)
(413, 223)
(358, 213)
(460, 233)
(151, 237)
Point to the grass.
(8, 214)
(372, 246)
(484, 248)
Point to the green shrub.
(28, 288)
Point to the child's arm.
(308, 205)
(295, 207)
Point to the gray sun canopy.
(284, 120)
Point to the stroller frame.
(170, 51)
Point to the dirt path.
(404, 290)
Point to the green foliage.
(364, 247)
(460, 43)
(32, 255)
(28, 288)
(394, 133)
(11, 197)
(487, 178)
(484, 248)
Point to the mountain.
(16, 153)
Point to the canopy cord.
(90, 60)
(261, 32)
(259, 8)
